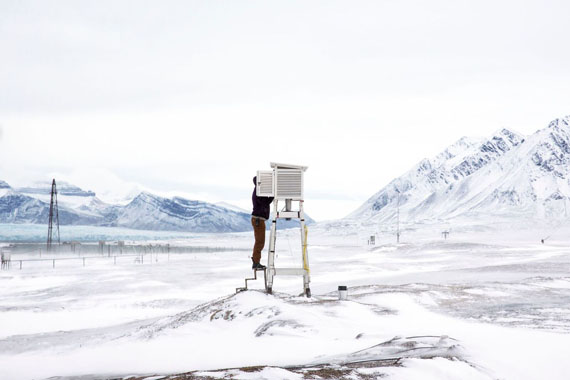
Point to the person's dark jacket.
(260, 204)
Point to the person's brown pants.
(259, 232)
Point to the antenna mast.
(53, 212)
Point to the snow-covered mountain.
(31, 204)
(20, 208)
(151, 212)
(230, 206)
(146, 211)
(4, 188)
(505, 175)
(63, 189)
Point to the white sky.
(191, 98)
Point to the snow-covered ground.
(479, 305)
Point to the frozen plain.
(480, 305)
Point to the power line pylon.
(53, 214)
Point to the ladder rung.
(289, 271)
(288, 214)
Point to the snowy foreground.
(475, 306)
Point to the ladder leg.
(270, 271)
(305, 252)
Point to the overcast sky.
(191, 98)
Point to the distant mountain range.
(146, 211)
(505, 175)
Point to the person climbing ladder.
(258, 217)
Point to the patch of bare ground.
(324, 372)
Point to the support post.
(306, 275)
(271, 255)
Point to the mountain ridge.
(146, 211)
(506, 174)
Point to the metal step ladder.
(271, 270)
(254, 278)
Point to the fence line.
(104, 252)
(83, 259)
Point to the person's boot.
(257, 266)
